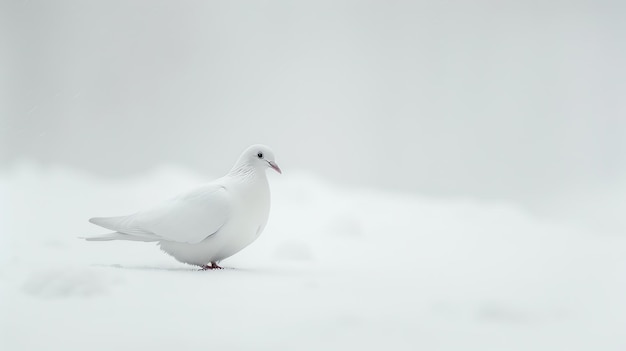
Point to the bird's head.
(260, 157)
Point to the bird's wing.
(188, 218)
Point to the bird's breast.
(251, 206)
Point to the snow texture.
(336, 269)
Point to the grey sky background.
(517, 101)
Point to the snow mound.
(294, 250)
(68, 282)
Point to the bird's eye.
(260, 154)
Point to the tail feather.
(119, 236)
(112, 223)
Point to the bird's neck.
(246, 171)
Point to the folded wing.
(188, 218)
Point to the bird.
(208, 223)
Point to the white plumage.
(209, 223)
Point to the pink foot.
(213, 265)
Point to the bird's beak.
(275, 166)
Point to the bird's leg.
(213, 265)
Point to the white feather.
(208, 223)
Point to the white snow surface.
(337, 268)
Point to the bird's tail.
(118, 236)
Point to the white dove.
(209, 223)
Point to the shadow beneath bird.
(254, 271)
(273, 271)
(152, 268)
